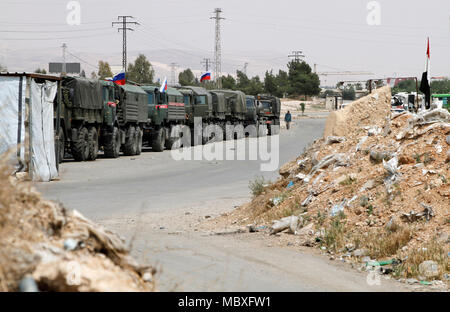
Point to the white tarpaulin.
(43, 160)
(12, 119)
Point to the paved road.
(157, 203)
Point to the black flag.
(425, 89)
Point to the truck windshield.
(265, 104)
(186, 100)
(249, 103)
(200, 99)
(151, 99)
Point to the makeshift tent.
(27, 136)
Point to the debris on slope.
(47, 248)
(376, 186)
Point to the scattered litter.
(334, 139)
(338, 208)
(291, 184)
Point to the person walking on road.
(288, 119)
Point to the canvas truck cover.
(82, 93)
(236, 98)
(218, 101)
(133, 104)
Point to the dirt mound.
(376, 186)
(45, 247)
(369, 110)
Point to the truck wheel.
(275, 130)
(112, 147)
(130, 142)
(93, 143)
(80, 148)
(61, 142)
(228, 132)
(262, 130)
(139, 135)
(159, 141)
(169, 142)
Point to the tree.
(228, 82)
(282, 80)
(186, 78)
(349, 93)
(94, 75)
(3, 68)
(141, 71)
(270, 83)
(255, 86)
(405, 86)
(104, 70)
(242, 82)
(302, 81)
(41, 71)
(440, 86)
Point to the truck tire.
(129, 148)
(159, 141)
(112, 146)
(169, 142)
(93, 143)
(61, 142)
(80, 147)
(139, 135)
(227, 134)
(262, 130)
(274, 131)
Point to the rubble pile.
(44, 247)
(377, 186)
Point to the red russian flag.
(205, 76)
(120, 78)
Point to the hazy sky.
(333, 34)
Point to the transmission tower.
(218, 48)
(64, 67)
(124, 28)
(173, 68)
(296, 55)
(206, 62)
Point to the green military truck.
(201, 106)
(252, 116)
(167, 113)
(269, 112)
(236, 111)
(81, 115)
(131, 115)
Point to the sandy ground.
(164, 208)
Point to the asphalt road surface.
(157, 203)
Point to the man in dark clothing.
(288, 119)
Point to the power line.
(218, 48)
(124, 23)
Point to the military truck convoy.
(97, 115)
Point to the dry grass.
(382, 243)
(431, 251)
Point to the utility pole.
(64, 67)
(296, 55)
(245, 68)
(124, 23)
(206, 62)
(218, 48)
(173, 68)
